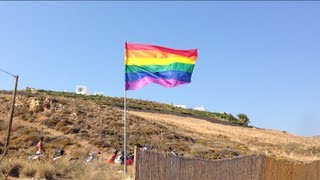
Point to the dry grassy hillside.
(72, 122)
(80, 124)
(272, 143)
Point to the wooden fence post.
(135, 161)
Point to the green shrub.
(27, 92)
(243, 119)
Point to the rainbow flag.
(145, 64)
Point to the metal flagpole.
(125, 119)
(124, 132)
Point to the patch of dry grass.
(61, 169)
(276, 143)
(28, 171)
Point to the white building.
(98, 93)
(82, 90)
(181, 106)
(201, 108)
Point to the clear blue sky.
(257, 58)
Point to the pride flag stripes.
(145, 64)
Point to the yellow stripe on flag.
(158, 61)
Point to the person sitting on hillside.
(40, 146)
(130, 159)
(112, 157)
(91, 157)
(120, 158)
(173, 152)
(40, 151)
(58, 154)
(141, 147)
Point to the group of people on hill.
(115, 157)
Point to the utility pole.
(11, 113)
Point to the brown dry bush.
(2, 125)
(64, 129)
(21, 111)
(42, 118)
(29, 171)
(59, 141)
(16, 127)
(50, 122)
(47, 113)
(60, 125)
(67, 131)
(99, 143)
(11, 167)
(26, 138)
(75, 130)
(148, 130)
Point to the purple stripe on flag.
(134, 85)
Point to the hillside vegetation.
(82, 124)
(144, 105)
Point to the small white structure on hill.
(98, 93)
(201, 108)
(82, 90)
(181, 106)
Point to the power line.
(8, 73)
